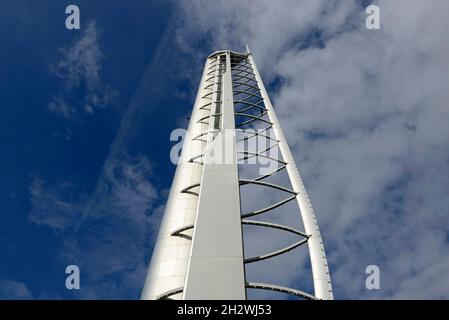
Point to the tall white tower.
(199, 253)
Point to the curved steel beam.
(266, 209)
(250, 103)
(272, 287)
(263, 151)
(244, 77)
(184, 228)
(258, 133)
(275, 226)
(166, 295)
(177, 232)
(209, 85)
(196, 157)
(238, 70)
(241, 66)
(187, 189)
(266, 184)
(261, 177)
(246, 92)
(207, 104)
(237, 74)
(263, 156)
(244, 84)
(253, 118)
(206, 96)
(244, 110)
(203, 134)
(276, 253)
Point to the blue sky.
(50, 154)
(86, 116)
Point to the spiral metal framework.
(199, 251)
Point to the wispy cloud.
(12, 290)
(57, 206)
(366, 114)
(111, 239)
(79, 69)
(114, 240)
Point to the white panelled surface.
(216, 268)
(168, 268)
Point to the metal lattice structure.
(199, 251)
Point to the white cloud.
(79, 69)
(366, 115)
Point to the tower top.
(218, 52)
